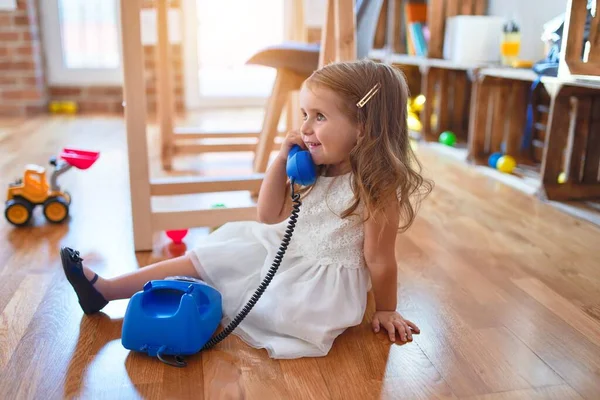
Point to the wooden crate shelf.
(572, 145)
(498, 116)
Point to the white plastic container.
(473, 38)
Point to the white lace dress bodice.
(321, 233)
(320, 288)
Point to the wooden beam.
(164, 83)
(428, 85)
(213, 148)
(327, 53)
(577, 67)
(436, 22)
(345, 30)
(192, 184)
(453, 8)
(556, 139)
(572, 191)
(197, 133)
(481, 93)
(578, 139)
(517, 119)
(480, 7)
(594, 37)
(467, 7)
(592, 149)
(135, 118)
(499, 117)
(165, 220)
(285, 82)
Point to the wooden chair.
(186, 140)
(296, 61)
(146, 219)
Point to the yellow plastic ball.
(414, 123)
(418, 103)
(562, 178)
(506, 164)
(69, 107)
(54, 107)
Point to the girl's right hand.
(291, 139)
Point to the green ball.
(448, 138)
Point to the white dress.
(320, 288)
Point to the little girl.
(344, 241)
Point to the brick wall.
(150, 66)
(23, 88)
(109, 99)
(22, 80)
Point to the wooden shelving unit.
(486, 105)
(499, 116)
(445, 84)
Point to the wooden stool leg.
(289, 123)
(292, 110)
(164, 82)
(285, 82)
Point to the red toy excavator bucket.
(80, 158)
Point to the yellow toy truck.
(34, 189)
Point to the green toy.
(448, 138)
(217, 205)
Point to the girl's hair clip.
(368, 96)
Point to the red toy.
(80, 159)
(177, 235)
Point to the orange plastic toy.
(34, 189)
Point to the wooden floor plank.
(569, 313)
(559, 392)
(18, 313)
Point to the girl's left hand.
(392, 321)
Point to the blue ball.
(493, 160)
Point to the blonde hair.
(384, 166)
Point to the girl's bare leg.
(94, 292)
(125, 286)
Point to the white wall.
(531, 15)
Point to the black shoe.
(90, 300)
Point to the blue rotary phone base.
(175, 316)
(178, 316)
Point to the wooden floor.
(505, 289)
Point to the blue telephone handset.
(178, 316)
(300, 167)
